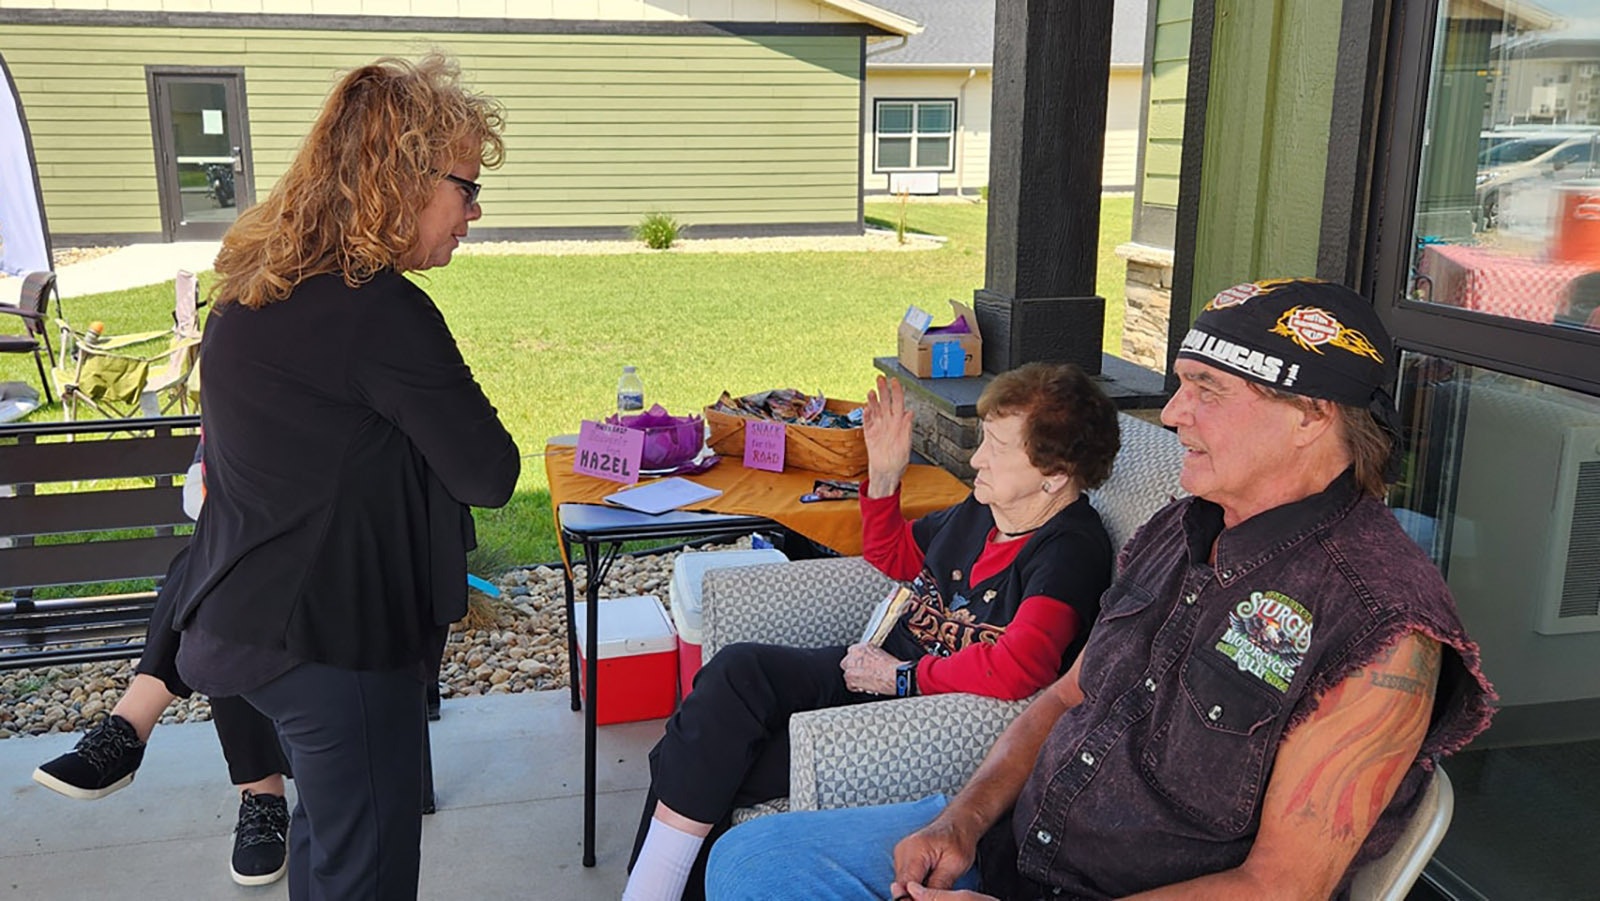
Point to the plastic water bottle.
(630, 391)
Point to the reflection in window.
(1508, 205)
(1502, 486)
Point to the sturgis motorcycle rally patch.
(1268, 636)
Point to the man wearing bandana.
(1274, 674)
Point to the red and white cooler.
(638, 659)
(688, 573)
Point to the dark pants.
(354, 739)
(728, 745)
(249, 741)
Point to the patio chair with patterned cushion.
(907, 748)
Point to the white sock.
(665, 860)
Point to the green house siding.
(600, 128)
(1266, 147)
(1169, 80)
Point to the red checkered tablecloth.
(1516, 287)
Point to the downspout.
(864, 57)
(961, 133)
(886, 49)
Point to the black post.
(1052, 61)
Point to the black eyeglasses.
(471, 187)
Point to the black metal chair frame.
(36, 290)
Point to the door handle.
(238, 160)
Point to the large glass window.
(1507, 217)
(1502, 487)
(915, 135)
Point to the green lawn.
(548, 336)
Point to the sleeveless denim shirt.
(1196, 671)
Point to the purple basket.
(668, 440)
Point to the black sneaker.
(260, 851)
(104, 761)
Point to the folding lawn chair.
(128, 376)
(177, 383)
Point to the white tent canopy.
(24, 234)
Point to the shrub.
(658, 231)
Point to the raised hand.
(886, 429)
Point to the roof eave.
(893, 23)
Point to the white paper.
(885, 615)
(211, 121)
(663, 495)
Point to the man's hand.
(886, 430)
(934, 856)
(869, 668)
(922, 893)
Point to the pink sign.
(763, 445)
(608, 452)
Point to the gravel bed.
(66, 256)
(520, 646)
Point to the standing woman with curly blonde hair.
(345, 437)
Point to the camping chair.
(35, 339)
(177, 383)
(113, 375)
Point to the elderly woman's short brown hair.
(1070, 425)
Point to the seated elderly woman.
(1003, 589)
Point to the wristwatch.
(905, 679)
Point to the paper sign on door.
(763, 445)
(609, 452)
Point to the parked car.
(1545, 159)
(1490, 138)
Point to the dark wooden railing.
(61, 524)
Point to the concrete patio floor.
(509, 777)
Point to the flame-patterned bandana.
(1307, 337)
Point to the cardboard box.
(638, 660)
(688, 575)
(941, 352)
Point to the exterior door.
(202, 150)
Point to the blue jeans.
(829, 855)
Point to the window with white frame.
(915, 135)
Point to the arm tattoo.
(1421, 669)
(1348, 789)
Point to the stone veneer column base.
(1149, 304)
